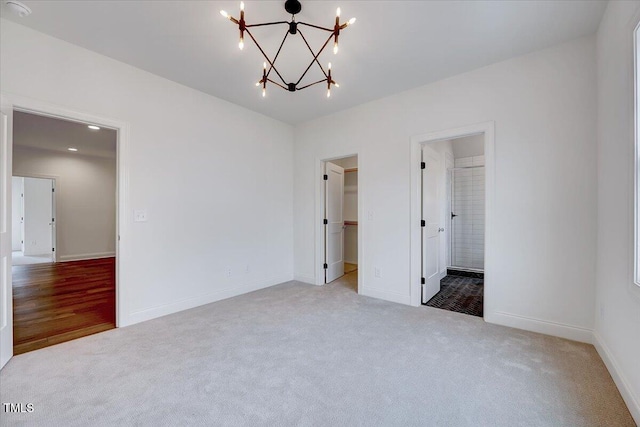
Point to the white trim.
(623, 384)
(80, 257)
(636, 159)
(556, 329)
(386, 295)
(488, 128)
(311, 280)
(208, 298)
(25, 104)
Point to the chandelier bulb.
(336, 84)
(264, 92)
(241, 43)
(335, 48)
(223, 13)
(328, 93)
(259, 83)
(264, 65)
(338, 12)
(329, 66)
(351, 21)
(241, 5)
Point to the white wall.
(85, 199)
(617, 329)
(237, 164)
(17, 187)
(38, 213)
(469, 146)
(544, 108)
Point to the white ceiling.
(46, 133)
(393, 46)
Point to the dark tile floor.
(459, 294)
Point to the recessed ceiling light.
(18, 8)
(94, 127)
(72, 149)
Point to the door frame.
(417, 141)
(42, 108)
(54, 230)
(319, 217)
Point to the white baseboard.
(546, 327)
(80, 257)
(632, 401)
(305, 279)
(187, 303)
(386, 295)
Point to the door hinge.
(423, 223)
(423, 165)
(325, 222)
(423, 281)
(325, 266)
(53, 190)
(53, 220)
(53, 249)
(325, 177)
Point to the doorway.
(453, 198)
(33, 238)
(340, 222)
(65, 186)
(431, 215)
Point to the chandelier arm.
(331, 30)
(266, 23)
(315, 58)
(311, 50)
(275, 58)
(311, 84)
(277, 84)
(265, 56)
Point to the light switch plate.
(140, 215)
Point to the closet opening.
(340, 222)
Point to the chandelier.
(292, 7)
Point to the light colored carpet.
(18, 258)
(297, 354)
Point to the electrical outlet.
(376, 272)
(140, 215)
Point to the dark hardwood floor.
(54, 303)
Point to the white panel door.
(38, 216)
(431, 212)
(6, 308)
(334, 229)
